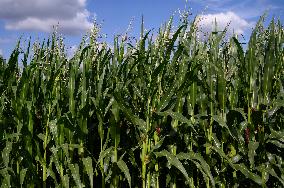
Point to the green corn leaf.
(6, 153)
(189, 78)
(100, 86)
(137, 92)
(51, 174)
(55, 160)
(263, 169)
(123, 167)
(105, 153)
(278, 135)
(252, 146)
(53, 129)
(240, 49)
(23, 175)
(276, 143)
(223, 155)
(221, 88)
(272, 172)
(7, 178)
(77, 146)
(176, 116)
(108, 106)
(115, 110)
(173, 40)
(200, 163)
(158, 145)
(236, 158)
(84, 51)
(115, 134)
(222, 123)
(42, 137)
(65, 149)
(216, 141)
(89, 169)
(165, 99)
(143, 39)
(132, 117)
(173, 160)
(76, 174)
(65, 181)
(241, 167)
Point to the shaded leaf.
(123, 167)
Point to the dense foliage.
(170, 110)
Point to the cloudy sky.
(36, 18)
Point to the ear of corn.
(168, 111)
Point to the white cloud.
(237, 25)
(1, 52)
(248, 9)
(42, 15)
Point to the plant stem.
(44, 169)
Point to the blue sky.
(36, 18)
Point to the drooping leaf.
(123, 167)
(256, 178)
(173, 160)
(129, 114)
(200, 163)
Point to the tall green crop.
(168, 110)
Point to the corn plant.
(167, 110)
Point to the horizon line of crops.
(166, 111)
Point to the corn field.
(168, 110)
